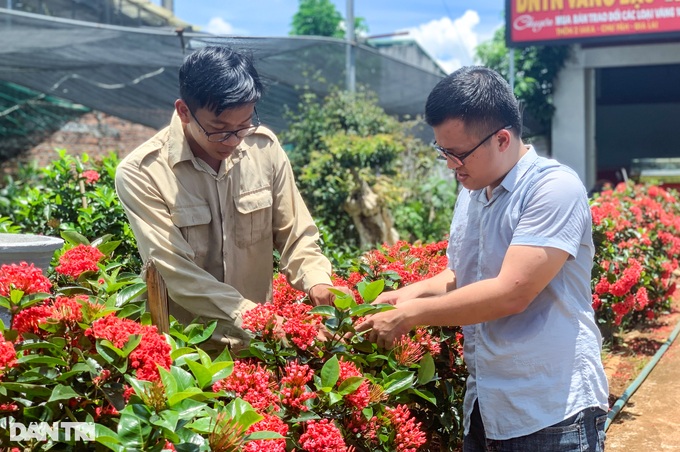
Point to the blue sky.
(448, 29)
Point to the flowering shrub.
(337, 391)
(637, 233)
(79, 349)
(71, 193)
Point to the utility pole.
(169, 5)
(350, 66)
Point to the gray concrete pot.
(33, 249)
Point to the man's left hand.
(320, 295)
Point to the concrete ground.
(650, 421)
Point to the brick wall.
(94, 133)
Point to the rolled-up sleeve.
(295, 233)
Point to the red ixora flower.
(152, 351)
(91, 176)
(25, 277)
(78, 260)
(270, 423)
(322, 436)
(8, 355)
(253, 383)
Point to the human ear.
(182, 111)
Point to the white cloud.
(219, 26)
(451, 43)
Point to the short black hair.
(476, 95)
(218, 78)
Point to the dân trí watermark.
(42, 431)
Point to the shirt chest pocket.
(253, 220)
(194, 222)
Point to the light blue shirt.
(534, 369)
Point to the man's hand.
(384, 328)
(392, 297)
(320, 295)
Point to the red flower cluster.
(411, 262)
(409, 436)
(270, 423)
(322, 436)
(632, 273)
(360, 398)
(24, 277)
(152, 351)
(8, 355)
(298, 325)
(90, 176)
(63, 310)
(78, 260)
(253, 383)
(294, 392)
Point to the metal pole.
(511, 70)
(350, 67)
(9, 4)
(168, 4)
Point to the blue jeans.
(583, 431)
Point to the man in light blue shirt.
(518, 280)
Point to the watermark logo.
(42, 431)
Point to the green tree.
(536, 68)
(349, 156)
(321, 18)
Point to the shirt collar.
(178, 146)
(179, 149)
(511, 179)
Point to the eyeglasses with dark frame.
(458, 159)
(219, 137)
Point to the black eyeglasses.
(218, 137)
(458, 159)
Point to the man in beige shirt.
(212, 195)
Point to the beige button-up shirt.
(211, 234)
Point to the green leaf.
(74, 238)
(202, 334)
(220, 370)
(426, 395)
(398, 382)
(201, 425)
(263, 434)
(362, 310)
(343, 301)
(330, 372)
(182, 377)
(188, 408)
(168, 419)
(130, 293)
(334, 397)
(169, 382)
(107, 437)
(177, 397)
(243, 413)
(61, 392)
(38, 359)
(323, 310)
(370, 291)
(427, 369)
(201, 372)
(132, 431)
(28, 389)
(224, 356)
(350, 385)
